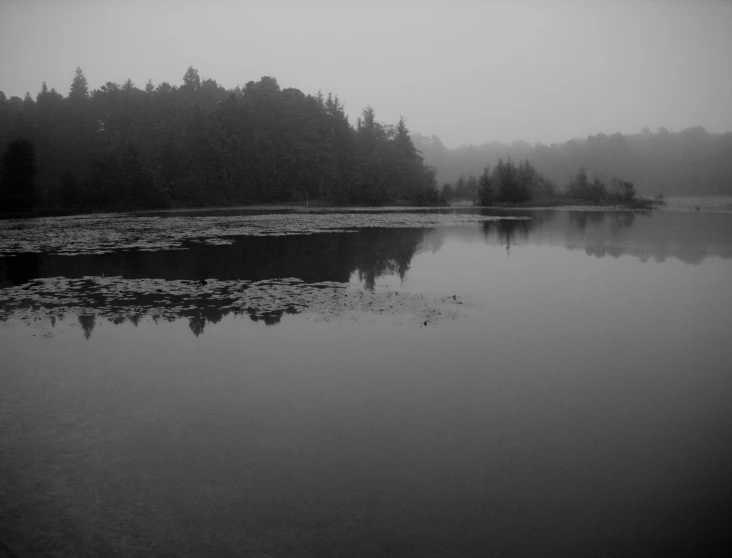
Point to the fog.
(468, 72)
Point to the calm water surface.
(367, 384)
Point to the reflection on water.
(262, 277)
(207, 301)
(557, 385)
(73, 236)
(266, 277)
(659, 236)
(311, 258)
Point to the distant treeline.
(691, 162)
(198, 144)
(511, 183)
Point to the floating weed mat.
(119, 300)
(103, 234)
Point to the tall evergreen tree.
(79, 90)
(486, 194)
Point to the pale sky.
(467, 71)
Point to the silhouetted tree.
(79, 90)
(623, 190)
(448, 192)
(486, 194)
(191, 81)
(580, 188)
(511, 182)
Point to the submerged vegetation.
(120, 147)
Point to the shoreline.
(642, 204)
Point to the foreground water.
(367, 384)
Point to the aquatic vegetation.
(118, 300)
(100, 234)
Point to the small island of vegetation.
(520, 185)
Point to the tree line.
(197, 144)
(690, 162)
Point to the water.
(367, 384)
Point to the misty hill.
(198, 144)
(691, 162)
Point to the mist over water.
(452, 383)
(369, 278)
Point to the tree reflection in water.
(267, 277)
(262, 277)
(87, 322)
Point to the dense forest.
(687, 163)
(198, 144)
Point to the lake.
(285, 383)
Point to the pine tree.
(79, 90)
(486, 195)
(191, 80)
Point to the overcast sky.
(464, 70)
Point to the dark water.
(367, 384)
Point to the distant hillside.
(691, 162)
